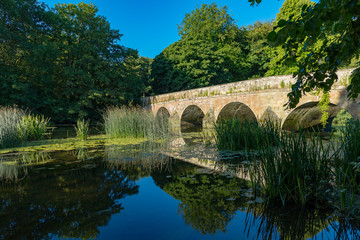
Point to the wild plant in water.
(242, 134)
(9, 120)
(82, 129)
(295, 170)
(347, 166)
(121, 122)
(32, 127)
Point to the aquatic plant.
(82, 129)
(242, 134)
(9, 120)
(121, 122)
(32, 127)
(296, 170)
(347, 166)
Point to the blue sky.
(150, 26)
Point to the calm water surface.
(134, 192)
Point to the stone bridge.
(257, 99)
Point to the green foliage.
(211, 23)
(66, 62)
(324, 104)
(319, 42)
(9, 122)
(257, 48)
(242, 134)
(209, 52)
(82, 129)
(32, 127)
(134, 122)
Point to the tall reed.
(82, 129)
(121, 122)
(32, 127)
(242, 134)
(296, 170)
(9, 120)
(347, 167)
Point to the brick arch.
(192, 115)
(269, 114)
(237, 110)
(163, 111)
(308, 115)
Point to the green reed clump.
(296, 170)
(9, 120)
(121, 122)
(32, 127)
(82, 129)
(242, 134)
(347, 166)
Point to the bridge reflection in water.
(79, 193)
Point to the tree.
(209, 52)
(290, 8)
(331, 29)
(257, 47)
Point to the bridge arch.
(163, 113)
(192, 118)
(236, 110)
(308, 115)
(270, 115)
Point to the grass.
(10, 118)
(122, 122)
(32, 127)
(298, 168)
(235, 134)
(82, 129)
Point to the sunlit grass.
(120, 122)
(10, 118)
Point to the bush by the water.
(121, 122)
(17, 126)
(242, 134)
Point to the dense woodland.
(67, 63)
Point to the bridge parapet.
(253, 99)
(246, 86)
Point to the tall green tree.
(331, 29)
(257, 47)
(209, 52)
(290, 9)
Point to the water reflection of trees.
(66, 200)
(208, 202)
